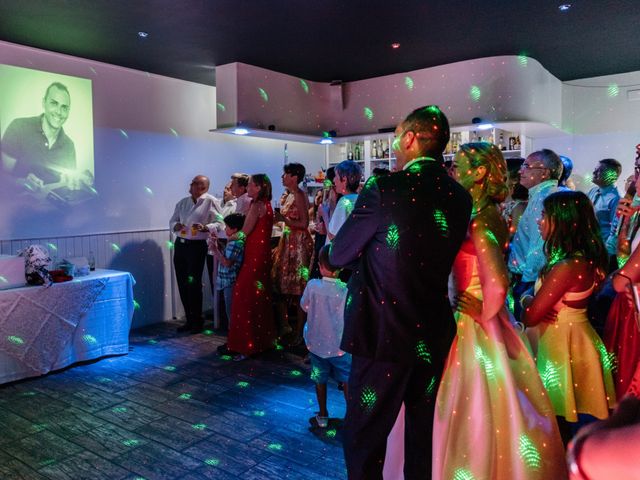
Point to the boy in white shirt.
(324, 301)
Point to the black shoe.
(184, 328)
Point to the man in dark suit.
(401, 240)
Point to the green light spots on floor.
(184, 396)
(124, 134)
(485, 362)
(242, 384)
(368, 113)
(462, 474)
(136, 305)
(393, 237)
(170, 368)
(173, 132)
(475, 93)
(408, 82)
(303, 272)
(368, 399)
(295, 373)
(207, 332)
(169, 244)
(550, 376)
(263, 93)
(331, 433)
(38, 427)
(422, 352)
(441, 222)
(226, 358)
(275, 447)
(305, 86)
(529, 453)
(152, 342)
(89, 339)
(119, 409)
(613, 90)
(523, 60)
(279, 347)
(199, 426)
(15, 340)
(608, 359)
(103, 379)
(131, 442)
(259, 285)
(315, 374)
(212, 462)
(52, 247)
(431, 388)
(221, 107)
(115, 247)
(148, 191)
(259, 413)
(28, 394)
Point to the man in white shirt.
(240, 201)
(194, 217)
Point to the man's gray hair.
(550, 160)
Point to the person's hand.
(624, 209)
(200, 227)
(178, 226)
(469, 305)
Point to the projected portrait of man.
(37, 148)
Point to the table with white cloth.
(45, 328)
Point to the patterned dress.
(292, 256)
(252, 327)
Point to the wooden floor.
(171, 409)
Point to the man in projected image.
(37, 148)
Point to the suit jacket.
(403, 236)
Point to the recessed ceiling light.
(564, 7)
(240, 131)
(142, 34)
(395, 45)
(326, 141)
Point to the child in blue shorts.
(323, 300)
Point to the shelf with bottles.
(508, 142)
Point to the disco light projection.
(463, 474)
(170, 368)
(331, 433)
(47, 462)
(207, 332)
(368, 113)
(221, 107)
(431, 388)
(408, 82)
(286, 231)
(136, 305)
(368, 399)
(259, 413)
(115, 247)
(15, 340)
(422, 352)
(173, 132)
(242, 384)
(93, 70)
(550, 377)
(148, 191)
(263, 94)
(491, 237)
(529, 453)
(523, 60)
(475, 93)
(441, 222)
(226, 358)
(185, 396)
(485, 362)
(212, 462)
(38, 427)
(190, 279)
(303, 273)
(608, 359)
(131, 442)
(3, 279)
(510, 301)
(295, 373)
(275, 447)
(104, 379)
(393, 237)
(28, 394)
(259, 285)
(610, 176)
(315, 374)
(152, 342)
(119, 409)
(279, 347)
(557, 254)
(89, 339)
(199, 426)
(588, 177)
(349, 300)
(304, 85)
(52, 247)
(124, 134)
(613, 90)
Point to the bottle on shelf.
(92, 261)
(512, 142)
(516, 144)
(350, 154)
(356, 151)
(501, 142)
(374, 149)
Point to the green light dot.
(221, 107)
(550, 376)
(491, 237)
(441, 222)
(368, 399)
(115, 247)
(368, 113)
(119, 409)
(207, 332)
(315, 374)
(15, 340)
(52, 247)
(213, 462)
(152, 342)
(259, 285)
(275, 447)
(331, 433)
(199, 426)
(170, 244)
(463, 474)
(295, 373)
(303, 273)
(226, 358)
(523, 60)
(529, 453)
(148, 190)
(259, 413)
(90, 339)
(475, 93)
(304, 85)
(286, 231)
(242, 384)
(3, 279)
(136, 305)
(173, 132)
(408, 82)
(393, 237)
(170, 368)
(279, 347)
(103, 379)
(124, 134)
(422, 351)
(263, 94)
(613, 90)
(608, 359)
(485, 362)
(431, 388)
(185, 396)
(131, 442)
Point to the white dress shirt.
(206, 210)
(238, 205)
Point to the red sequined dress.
(252, 328)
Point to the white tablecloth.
(48, 328)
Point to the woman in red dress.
(252, 328)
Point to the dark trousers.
(376, 392)
(518, 289)
(188, 260)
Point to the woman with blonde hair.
(493, 418)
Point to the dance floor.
(170, 409)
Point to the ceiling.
(326, 40)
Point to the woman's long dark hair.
(262, 180)
(574, 231)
